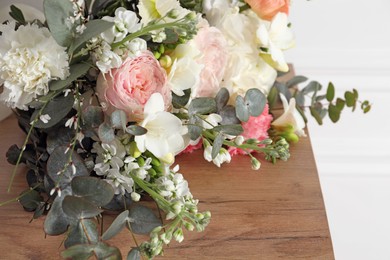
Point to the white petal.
(154, 104)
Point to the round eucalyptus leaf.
(134, 254)
(60, 137)
(118, 119)
(222, 98)
(79, 208)
(93, 116)
(119, 202)
(234, 130)
(143, 220)
(255, 100)
(106, 133)
(57, 109)
(75, 71)
(82, 232)
(78, 252)
(117, 225)
(94, 190)
(228, 114)
(202, 106)
(56, 222)
(104, 251)
(217, 145)
(30, 199)
(58, 161)
(136, 130)
(242, 111)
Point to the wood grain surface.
(275, 213)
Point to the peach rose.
(130, 86)
(213, 46)
(267, 9)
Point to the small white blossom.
(135, 196)
(45, 118)
(158, 36)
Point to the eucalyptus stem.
(20, 196)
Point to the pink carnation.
(213, 46)
(130, 86)
(254, 128)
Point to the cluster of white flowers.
(223, 155)
(29, 59)
(116, 164)
(250, 55)
(103, 55)
(77, 17)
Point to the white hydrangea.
(29, 59)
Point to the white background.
(348, 42)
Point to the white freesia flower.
(125, 22)
(274, 38)
(29, 59)
(291, 117)
(164, 130)
(211, 121)
(152, 10)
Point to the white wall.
(348, 42)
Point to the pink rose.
(213, 46)
(255, 128)
(267, 9)
(129, 87)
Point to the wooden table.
(275, 213)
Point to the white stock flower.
(222, 156)
(125, 22)
(152, 10)
(276, 36)
(290, 117)
(164, 130)
(29, 59)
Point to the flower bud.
(135, 196)
(239, 140)
(178, 235)
(255, 163)
(165, 61)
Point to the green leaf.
(235, 129)
(93, 116)
(83, 231)
(134, 254)
(56, 222)
(282, 88)
(118, 119)
(17, 14)
(172, 36)
(334, 113)
(228, 114)
(255, 100)
(106, 133)
(181, 101)
(202, 106)
(313, 86)
(79, 208)
(56, 13)
(106, 252)
(117, 225)
(300, 98)
(316, 115)
(75, 72)
(193, 128)
(340, 104)
(136, 130)
(242, 111)
(330, 92)
(58, 161)
(222, 98)
(95, 190)
(30, 199)
(143, 220)
(350, 98)
(295, 81)
(78, 252)
(272, 97)
(57, 109)
(217, 145)
(60, 137)
(366, 107)
(94, 28)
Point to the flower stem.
(20, 196)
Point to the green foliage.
(93, 117)
(251, 105)
(56, 221)
(195, 5)
(202, 106)
(94, 190)
(142, 220)
(75, 72)
(117, 225)
(85, 251)
(79, 208)
(134, 254)
(17, 14)
(118, 119)
(56, 13)
(83, 231)
(321, 104)
(30, 199)
(106, 133)
(181, 101)
(217, 145)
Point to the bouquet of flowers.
(110, 91)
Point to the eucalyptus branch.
(20, 196)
